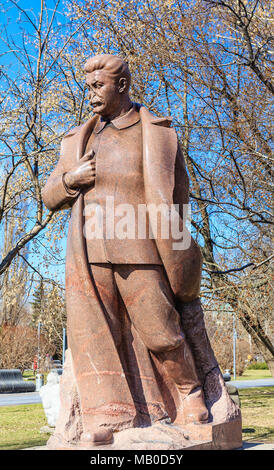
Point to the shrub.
(257, 366)
(18, 346)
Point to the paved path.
(246, 446)
(257, 446)
(252, 383)
(8, 399)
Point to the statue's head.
(108, 81)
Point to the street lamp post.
(38, 380)
(234, 346)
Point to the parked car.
(226, 375)
(56, 364)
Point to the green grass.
(20, 426)
(28, 375)
(254, 374)
(257, 405)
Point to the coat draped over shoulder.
(120, 391)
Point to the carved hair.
(113, 65)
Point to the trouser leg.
(108, 296)
(150, 305)
(93, 432)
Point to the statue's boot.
(180, 367)
(97, 437)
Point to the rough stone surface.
(233, 393)
(159, 436)
(166, 436)
(69, 422)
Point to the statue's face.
(104, 93)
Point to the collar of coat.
(159, 139)
(128, 119)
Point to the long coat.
(165, 181)
(119, 392)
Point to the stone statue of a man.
(138, 348)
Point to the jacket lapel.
(159, 155)
(83, 136)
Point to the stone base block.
(166, 436)
(223, 436)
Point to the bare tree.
(208, 64)
(205, 62)
(38, 105)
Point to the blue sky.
(12, 21)
(11, 16)
(15, 20)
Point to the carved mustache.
(95, 103)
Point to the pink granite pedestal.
(164, 436)
(224, 432)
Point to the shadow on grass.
(24, 444)
(264, 434)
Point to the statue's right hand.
(83, 173)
